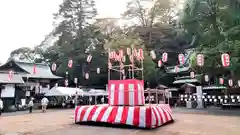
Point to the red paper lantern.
(192, 74)
(123, 71)
(123, 58)
(34, 69)
(153, 55)
(120, 52)
(121, 65)
(164, 57)
(160, 63)
(66, 83)
(176, 69)
(225, 59)
(89, 58)
(112, 55)
(135, 53)
(70, 63)
(10, 75)
(140, 54)
(221, 81)
(230, 82)
(109, 65)
(54, 67)
(131, 58)
(200, 60)
(181, 59)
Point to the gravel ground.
(187, 122)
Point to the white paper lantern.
(98, 70)
(87, 76)
(238, 83)
(226, 96)
(233, 100)
(153, 55)
(210, 100)
(181, 99)
(221, 100)
(232, 97)
(205, 100)
(192, 74)
(75, 80)
(238, 97)
(54, 67)
(215, 100)
(230, 82)
(206, 78)
(225, 101)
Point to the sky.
(24, 23)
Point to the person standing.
(44, 103)
(102, 100)
(30, 104)
(1, 106)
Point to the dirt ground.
(61, 123)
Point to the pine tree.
(74, 15)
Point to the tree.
(147, 16)
(23, 54)
(126, 39)
(214, 26)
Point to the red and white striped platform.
(148, 116)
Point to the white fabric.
(63, 91)
(44, 101)
(30, 103)
(1, 104)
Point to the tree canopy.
(156, 26)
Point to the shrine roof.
(16, 79)
(42, 70)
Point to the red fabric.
(113, 115)
(141, 116)
(124, 115)
(126, 96)
(34, 69)
(92, 113)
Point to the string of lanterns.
(225, 59)
(138, 55)
(120, 57)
